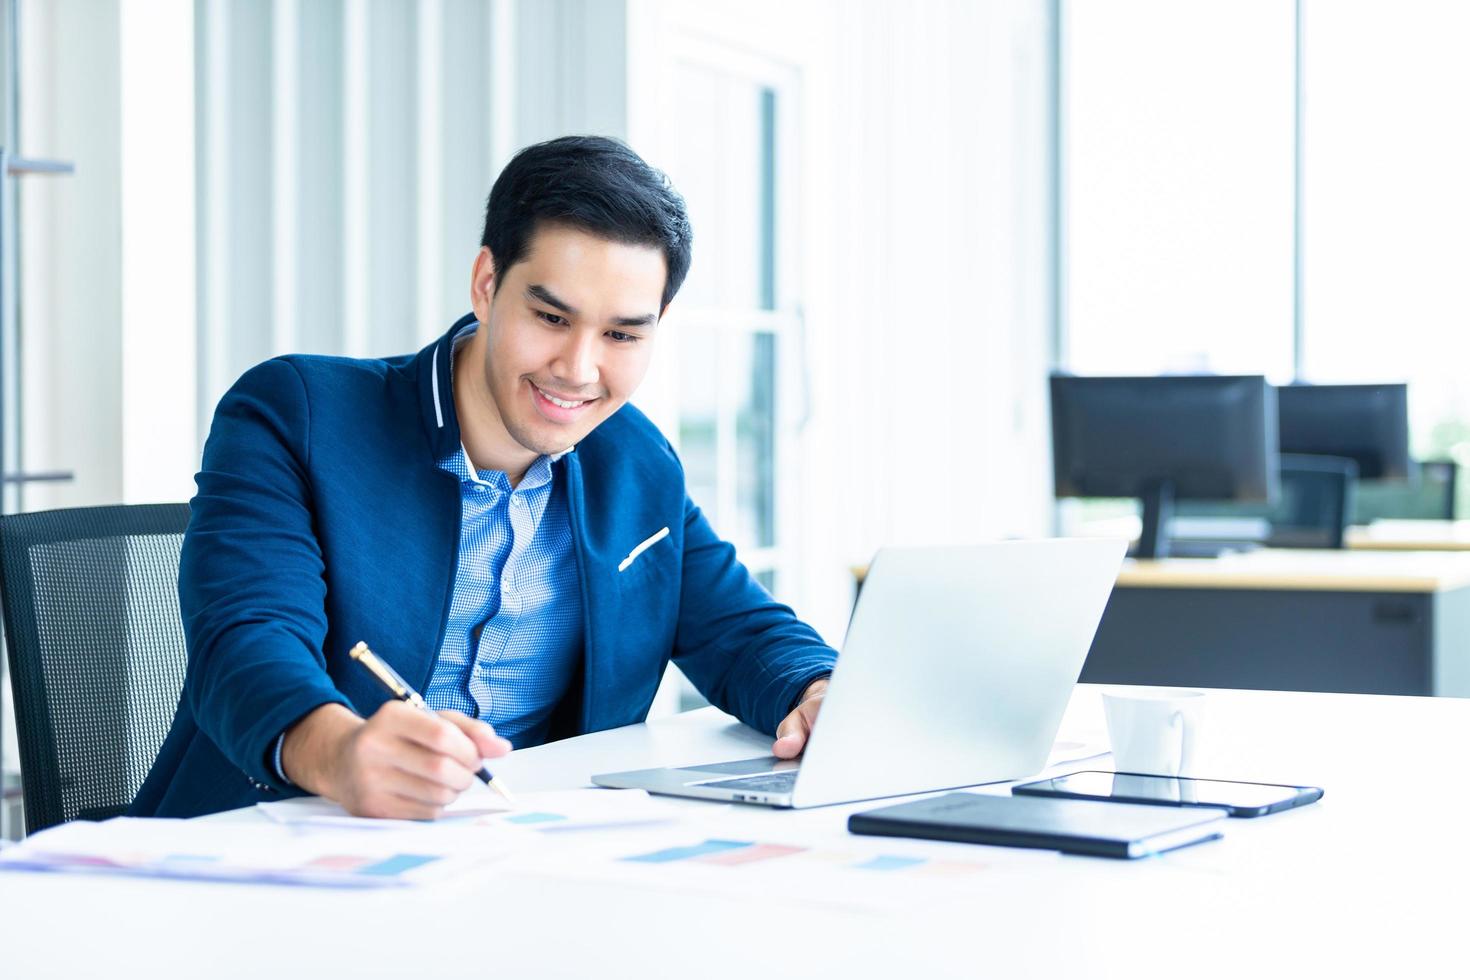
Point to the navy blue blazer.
(322, 519)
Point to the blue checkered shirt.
(514, 635)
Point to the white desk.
(1370, 881)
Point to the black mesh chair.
(1311, 511)
(96, 645)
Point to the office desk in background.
(1373, 621)
(1360, 884)
(1338, 621)
(1410, 536)
(1382, 535)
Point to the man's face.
(568, 335)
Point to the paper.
(206, 850)
(1076, 750)
(550, 812)
(823, 869)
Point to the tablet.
(1240, 799)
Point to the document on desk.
(267, 853)
(1078, 749)
(771, 861)
(553, 812)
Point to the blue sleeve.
(742, 649)
(251, 588)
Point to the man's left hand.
(795, 728)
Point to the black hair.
(592, 183)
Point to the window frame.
(784, 320)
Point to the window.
(1179, 148)
(1386, 202)
(1177, 181)
(736, 319)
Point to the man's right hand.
(400, 763)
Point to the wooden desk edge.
(1175, 578)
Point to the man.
(489, 515)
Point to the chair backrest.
(1310, 511)
(1429, 495)
(1316, 499)
(96, 646)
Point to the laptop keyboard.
(771, 782)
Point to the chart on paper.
(718, 852)
(260, 853)
(823, 869)
(552, 811)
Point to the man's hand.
(400, 762)
(795, 728)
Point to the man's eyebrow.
(538, 292)
(543, 294)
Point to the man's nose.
(576, 362)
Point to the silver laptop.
(958, 664)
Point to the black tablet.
(1240, 799)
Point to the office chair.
(1316, 500)
(1313, 501)
(96, 646)
(1430, 496)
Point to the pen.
(398, 687)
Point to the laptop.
(958, 664)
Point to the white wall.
(931, 337)
(157, 254)
(71, 234)
(107, 264)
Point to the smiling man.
(489, 515)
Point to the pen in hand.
(398, 688)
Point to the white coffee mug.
(1155, 731)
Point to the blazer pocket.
(642, 546)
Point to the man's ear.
(482, 284)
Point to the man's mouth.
(558, 407)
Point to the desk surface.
(1410, 536)
(1382, 535)
(1363, 883)
(1292, 569)
(1301, 569)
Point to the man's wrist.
(313, 744)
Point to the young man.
(489, 515)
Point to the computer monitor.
(1429, 494)
(1203, 437)
(1368, 424)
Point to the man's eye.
(552, 318)
(622, 338)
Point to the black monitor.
(1203, 437)
(1368, 424)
